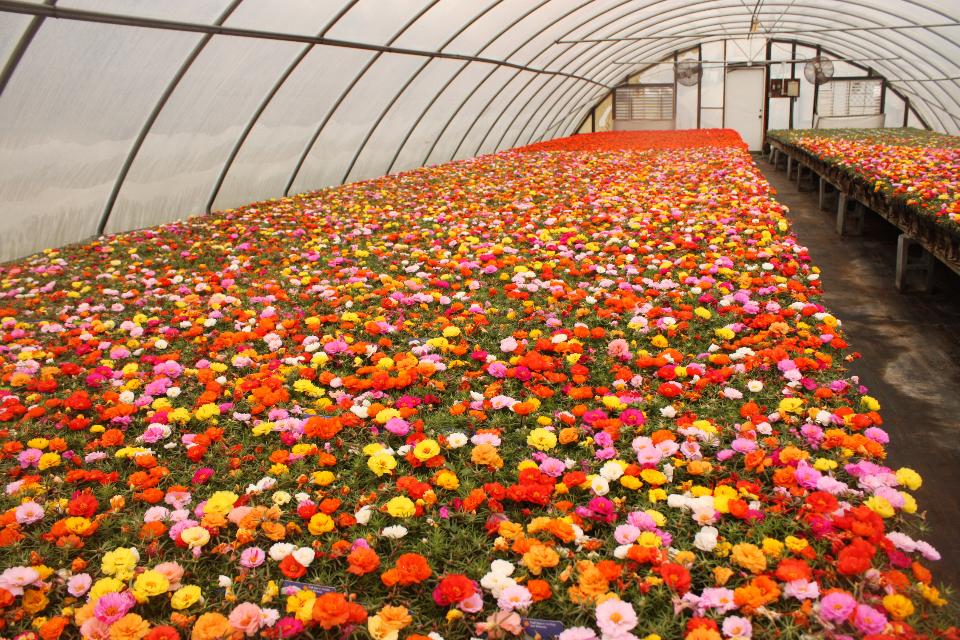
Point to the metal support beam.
(21, 47)
(15, 6)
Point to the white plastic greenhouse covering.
(120, 114)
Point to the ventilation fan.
(818, 70)
(688, 72)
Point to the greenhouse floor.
(911, 353)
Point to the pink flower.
(619, 349)
(172, 571)
(616, 617)
(15, 579)
(398, 426)
(515, 596)
(837, 607)
(29, 512)
(252, 557)
(737, 627)
(508, 344)
(500, 624)
(113, 606)
(79, 584)
(868, 620)
(801, 589)
(246, 617)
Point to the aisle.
(911, 353)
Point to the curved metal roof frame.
(658, 50)
(554, 83)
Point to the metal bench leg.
(915, 266)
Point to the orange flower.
(540, 557)
(211, 626)
(411, 568)
(130, 627)
(363, 560)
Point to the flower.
(185, 597)
(401, 507)
(246, 617)
(211, 626)
(616, 618)
(837, 606)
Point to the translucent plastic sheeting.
(393, 127)
(181, 157)
(265, 161)
(205, 11)
(331, 153)
(71, 111)
(376, 21)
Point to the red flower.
(454, 588)
(83, 504)
(675, 576)
(291, 568)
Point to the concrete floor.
(911, 354)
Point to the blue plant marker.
(545, 628)
(299, 586)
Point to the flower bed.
(592, 391)
(919, 168)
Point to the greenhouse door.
(743, 104)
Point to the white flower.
(304, 555)
(363, 514)
(611, 471)
(161, 344)
(224, 582)
(126, 397)
(668, 411)
(456, 440)
(503, 567)
(280, 550)
(394, 532)
(495, 583)
(281, 498)
(173, 392)
(754, 386)
(706, 539)
(600, 486)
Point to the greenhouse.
(442, 319)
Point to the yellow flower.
(48, 460)
(77, 525)
(221, 502)
(120, 563)
(542, 439)
(653, 476)
(104, 586)
(323, 478)
(151, 583)
(381, 463)
(207, 411)
(790, 405)
(909, 478)
(195, 536)
(401, 507)
(320, 523)
(426, 449)
(185, 597)
(898, 606)
(772, 547)
(447, 480)
(384, 415)
(880, 506)
(796, 545)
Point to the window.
(643, 102)
(850, 97)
